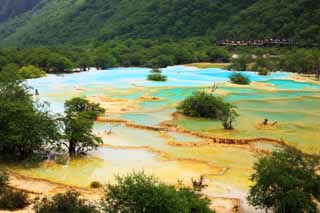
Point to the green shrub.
(62, 159)
(32, 161)
(31, 71)
(13, 200)
(66, 203)
(238, 78)
(286, 181)
(95, 184)
(204, 105)
(9, 199)
(157, 77)
(156, 70)
(138, 192)
(263, 71)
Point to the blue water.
(56, 89)
(125, 77)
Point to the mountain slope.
(296, 19)
(11, 8)
(54, 22)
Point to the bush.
(13, 200)
(238, 78)
(157, 77)
(286, 181)
(9, 199)
(95, 184)
(156, 70)
(62, 159)
(138, 192)
(66, 203)
(31, 71)
(204, 105)
(263, 71)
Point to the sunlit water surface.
(294, 105)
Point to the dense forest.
(74, 22)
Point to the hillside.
(57, 22)
(296, 19)
(11, 8)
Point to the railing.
(252, 42)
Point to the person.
(37, 92)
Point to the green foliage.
(205, 105)
(31, 71)
(13, 200)
(9, 199)
(157, 77)
(286, 181)
(138, 192)
(19, 140)
(66, 203)
(156, 70)
(91, 22)
(301, 61)
(78, 122)
(298, 20)
(238, 78)
(11, 8)
(240, 63)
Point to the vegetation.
(11, 8)
(10, 199)
(68, 203)
(138, 192)
(21, 140)
(94, 22)
(157, 77)
(80, 115)
(286, 181)
(205, 105)
(156, 70)
(31, 71)
(95, 184)
(238, 78)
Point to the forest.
(60, 22)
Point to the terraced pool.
(295, 106)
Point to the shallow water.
(294, 105)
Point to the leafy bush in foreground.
(205, 105)
(66, 203)
(238, 78)
(157, 77)
(9, 199)
(13, 200)
(141, 193)
(286, 181)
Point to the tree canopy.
(205, 105)
(78, 121)
(286, 181)
(26, 126)
(139, 192)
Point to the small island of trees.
(156, 75)
(205, 105)
(239, 78)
